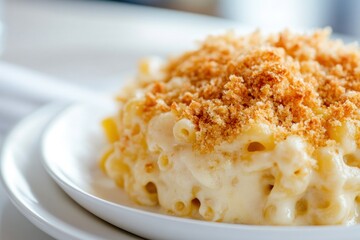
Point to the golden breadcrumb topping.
(298, 84)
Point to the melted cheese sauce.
(250, 180)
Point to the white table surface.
(83, 43)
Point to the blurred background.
(41, 34)
(342, 15)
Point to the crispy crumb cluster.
(297, 84)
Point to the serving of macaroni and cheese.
(245, 129)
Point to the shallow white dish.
(36, 195)
(71, 147)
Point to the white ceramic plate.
(71, 147)
(36, 195)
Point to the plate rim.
(31, 215)
(53, 228)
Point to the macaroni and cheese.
(245, 129)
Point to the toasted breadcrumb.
(298, 84)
